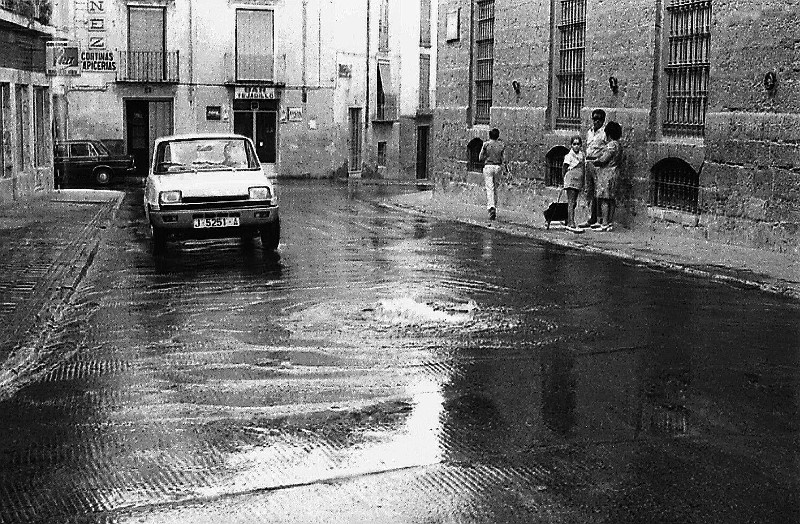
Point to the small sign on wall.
(295, 114)
(213, 112)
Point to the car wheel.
(102, 176)
(271, 236)
(158, 238)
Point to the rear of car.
(89, 162)
(209, 186)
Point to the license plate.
(200, 223)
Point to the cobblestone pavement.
(753, 268)
(46, 245)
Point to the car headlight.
(169, 197)
(260, 193)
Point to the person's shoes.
(574, 229)
(585, 225)
(597, 225)
(492, 213)
(607, 227)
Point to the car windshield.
(204, 154)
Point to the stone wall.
(747, 161)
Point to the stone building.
(26, 155)
(302, 78)
(707, 93)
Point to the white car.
(209, 186)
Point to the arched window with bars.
(675, 185)
(473, 154)
(554, 176)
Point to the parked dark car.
(81, 162)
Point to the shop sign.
(295, 114)
(62, 58)
(213, 112)
(254, 93)
(98, 61)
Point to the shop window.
(554, 177)
(674, 185)
(41, 123)
(23, 126)
(474, 151)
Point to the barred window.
(674, 185)
(555, 166)
(688, 67)
(571, 59)
(382, 153)
(484, 62)
(474, 152)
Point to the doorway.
(258, 120)
(423, 134)
(355, 139)
(146, 120)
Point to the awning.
(385, 70)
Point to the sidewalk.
(766, 270)
(47, 243)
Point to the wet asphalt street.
(386, 367)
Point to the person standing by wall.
(492, 156)
(607, 175)
(595, 142)
(574, 167)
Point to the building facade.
(26, 155)
(707, 93)
(298, 77)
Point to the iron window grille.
(554, 177)
(474, 152)
(687, 67)
(484, 62)
(571, 63)
(382, 154)
(675, 185)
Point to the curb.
(528, 231)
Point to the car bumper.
(181, 222)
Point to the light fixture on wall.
(516, 86)
(770, 81)
(613, 83)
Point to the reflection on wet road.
(385, 367)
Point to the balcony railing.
(386, 110)
(278, 73)
(427, 101)
(148, 66)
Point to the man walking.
(595, 142)
(492, 156)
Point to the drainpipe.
(305, 45)
(366, 101)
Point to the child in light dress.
(574, 165)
